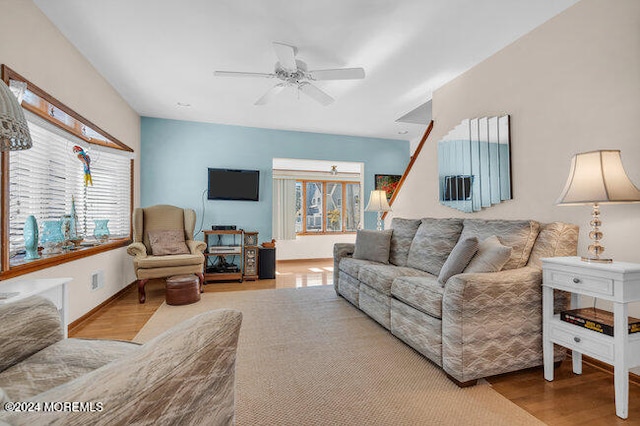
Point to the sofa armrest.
(340, 250)
(137, 249)
(196, 247)
(28, 326)
(493, 289)
(492, 323)
(184, 376)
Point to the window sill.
(19, 266)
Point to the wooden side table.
(617, 282)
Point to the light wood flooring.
(585, 400)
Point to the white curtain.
(284, 208)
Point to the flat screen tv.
(228, 184)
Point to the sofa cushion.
(421, 293)
(458, 259)
(403, 232)
(373, 245)
(554, 239)
(517, 234)
(60, 363)
(380, 277)
(351, 266)
(491, 256)
(432, 244)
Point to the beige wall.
(571, 85)
(34, 48)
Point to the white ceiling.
(158, 53)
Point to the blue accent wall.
(175, 156)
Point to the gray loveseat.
(473, 325)
(184, 376)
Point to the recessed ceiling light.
(182, 104)
(403, 132)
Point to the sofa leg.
(141, 294)
(463, 384)
(201, 279)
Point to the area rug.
(308, 357)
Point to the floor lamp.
(598, 177)
(378, 203)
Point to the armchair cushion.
(168, 261)
(28, 326)
(167, 242)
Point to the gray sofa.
(473, 325)
(184, 376)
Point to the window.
(324, 207)
(43, 181)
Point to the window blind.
(44, 179)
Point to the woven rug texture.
(308, 357)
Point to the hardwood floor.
(585, 400)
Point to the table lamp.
(378, 203)
(598, 177)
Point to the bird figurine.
(86, 162)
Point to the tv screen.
(457, 188)
(226, 184)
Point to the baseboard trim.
(607, 368)
(89, 314)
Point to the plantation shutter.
(43, 180)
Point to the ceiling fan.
(293, 72)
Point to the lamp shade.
(598, 177)
(378, 202)
(14, 132)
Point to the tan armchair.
(148, 266)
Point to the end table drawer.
(580, 340)
(582, 282)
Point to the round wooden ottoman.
(183, 290)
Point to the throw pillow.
(492, 255)
(459, 258)
(373, 245)
(168, 242)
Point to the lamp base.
(595, 260)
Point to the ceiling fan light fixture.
(293, 72)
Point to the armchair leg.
(141, 294)
(201, 279)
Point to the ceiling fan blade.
(316, 94)
(242, 74)
(337, 74)
(270, 95)
(286, 56)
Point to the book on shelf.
(597, 320)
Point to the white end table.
(54, 289)
(618, 282)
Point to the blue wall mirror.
(474, 164)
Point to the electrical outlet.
(97, 280)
